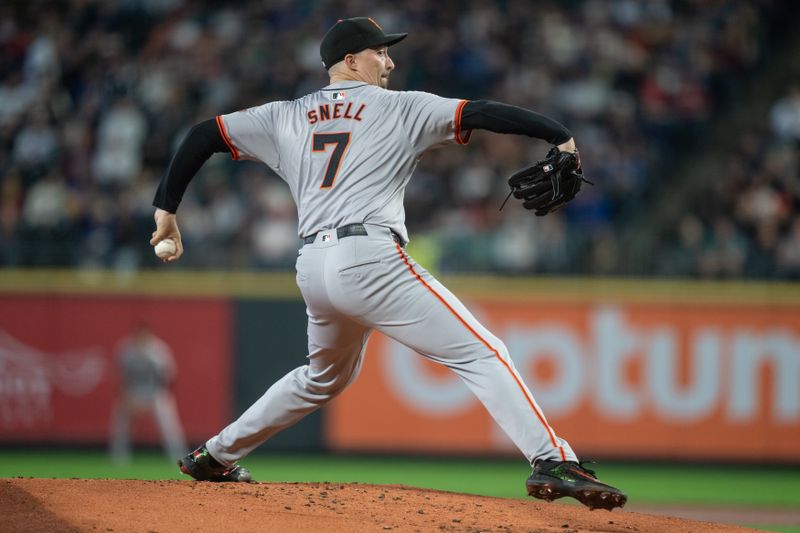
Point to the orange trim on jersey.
(459, 138)
(491, 348)
(224, 132)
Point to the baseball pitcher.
(347, 152)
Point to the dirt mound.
(169, 506)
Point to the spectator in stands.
(725, 251)
(96, 96)
(118, 155)
(789, 252)
(785, 116)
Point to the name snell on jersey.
(324, 112)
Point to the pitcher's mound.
(168, 506)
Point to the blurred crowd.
(746, 222)
(96, 95)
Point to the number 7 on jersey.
(320, 143)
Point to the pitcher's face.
(375, 65)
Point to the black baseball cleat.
(555, 479)
(200, 465)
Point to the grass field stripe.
(491, 348)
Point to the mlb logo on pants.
(326, 237)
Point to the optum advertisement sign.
(633, 380)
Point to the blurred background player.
(147, 370)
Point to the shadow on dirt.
(23, 512)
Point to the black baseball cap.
(350, 36)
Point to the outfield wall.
(640, 369)
(58, 372)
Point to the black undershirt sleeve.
(203, 140)
(504, 118)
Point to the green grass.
(649, 484)
(644, 483)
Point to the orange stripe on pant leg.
(491, 348)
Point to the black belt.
(353, 229)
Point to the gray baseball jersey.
(347, 153)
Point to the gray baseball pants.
(358, 284)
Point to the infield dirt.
(28, 504)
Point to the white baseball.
(165, 248)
